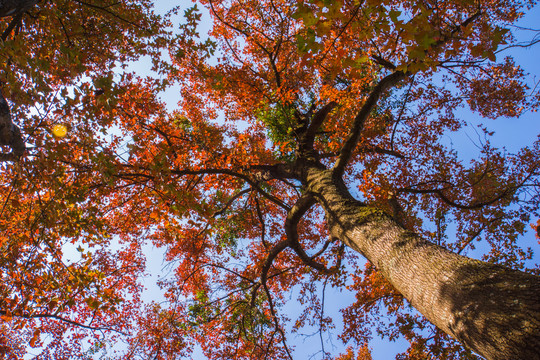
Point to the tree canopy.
(309, 150)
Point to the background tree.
(63, 67)
(286, 109)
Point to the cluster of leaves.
(279, 122)
(65, 273)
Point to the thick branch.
(298, 210)
(274, 252)
(383, 62)
(295, 214)
(276, 171)
(12, 25)
(316, 122)
(358, 124)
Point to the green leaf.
(394, 14)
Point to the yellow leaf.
(59, 131)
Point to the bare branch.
(476, 234)
(276, 323)
(261, 220)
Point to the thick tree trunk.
(491, 309)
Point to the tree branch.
(235, 174)
(303, 204)
(261, 220)
(382, 151)
(358, 124)
(113, 14)
(276, 323)
(231, 200)
(276, 171)
(57, 317)
(383, 62)
(12, 24)
(306, 142)
(448, 201)
(476, 234)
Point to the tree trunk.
(10, 133)
(491, 309)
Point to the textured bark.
(13, 7)
(491, 309)
(10, 133)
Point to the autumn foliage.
(222, 184)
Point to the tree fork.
(491, 309)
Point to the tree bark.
(13, 7)
(10, 133)
(491, 309)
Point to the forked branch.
(387, 82)
(315, 124)
(353, 138)
(291, 241)
(303, 204)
